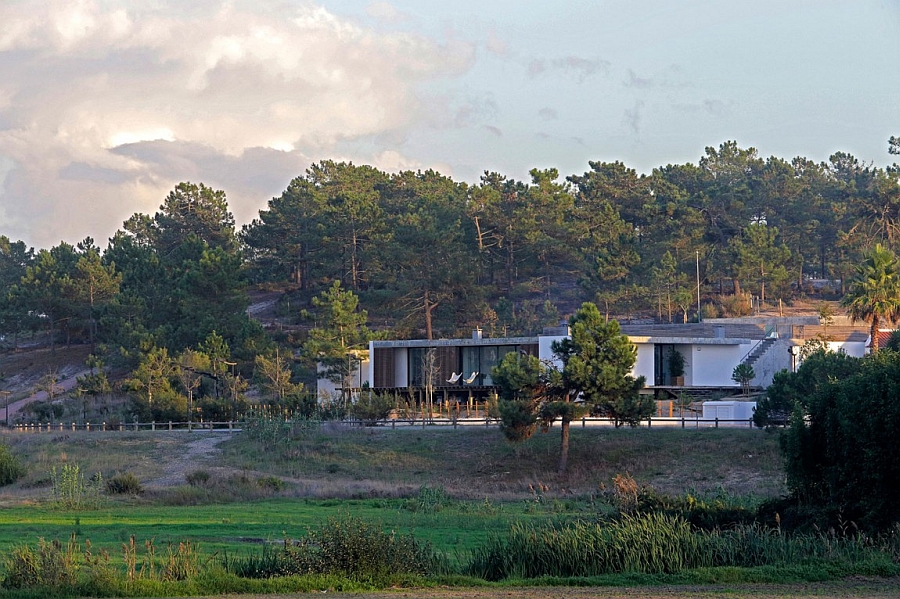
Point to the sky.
(105, 105)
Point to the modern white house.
(460, 369)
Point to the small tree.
(743, 373)
(522, 383)
(336, 342)
(597, 360)
(874, 294)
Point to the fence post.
(87, 426)
(103, 427)
(170, 425)
(73, 427)
(583, 422)
(682, 422)
(153, 426)
(649, 421)
(717, 422)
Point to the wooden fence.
(393, 423)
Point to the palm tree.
(874, 294)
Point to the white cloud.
(85, 77)
(385, 11)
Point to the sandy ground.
(197, 453)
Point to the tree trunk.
(563, 446)
(873, 332)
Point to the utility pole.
(698, 286)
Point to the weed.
(71, 491)
(429, 499)
(11, 469)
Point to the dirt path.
(198, 452)
(857, 588)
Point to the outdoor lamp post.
(794, 350)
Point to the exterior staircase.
(761, 348)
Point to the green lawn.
(456, 527)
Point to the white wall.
(401, 367)
(545, 351)
(855, 349)
(644, 364)
(712, 365)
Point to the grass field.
(480, 480)
(453, 488)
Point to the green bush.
(349, 547)
(124, 484)
(840, 448)
(372, 407)
(11, 469)
(705, 513)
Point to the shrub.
(372, 407)
(349, 547)
(11, 469)
(198, 478)
(124, 484)
(716, 513)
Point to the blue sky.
(106, 104)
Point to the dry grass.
(470, 463)
(477, 462)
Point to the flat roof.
(455, 342)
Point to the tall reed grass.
(663, 544)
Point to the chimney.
(476, 334)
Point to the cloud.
(105, 105)
(387, 12)
(637, 82)
(548, 114)
(580, 68)
(495, 44)
(633, 116)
